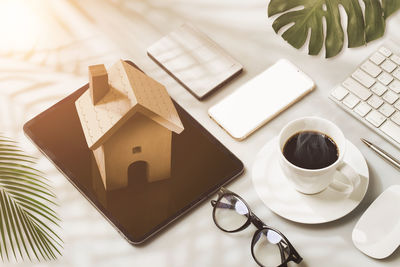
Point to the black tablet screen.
(200, 165)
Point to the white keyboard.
(372, 93)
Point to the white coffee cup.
(312, 181)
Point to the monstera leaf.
(304, 16)
(25, 208)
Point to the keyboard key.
(385, 78)
(387, 110)
(378, 88)
(385, 51)
(339, 93)
(396, 73)
(375, 118)
(395, 86)
(392, 130)
(362, 109)
(351, 101)
(397, 105)
(357, 89)
(388, 65)
(396, 117)
(371, 68)
(390, 97)
(375, 101)
(377, 58)
(363, 78)
(395, 59)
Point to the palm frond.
(26, 210)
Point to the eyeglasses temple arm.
(282, 251)
(222, 205)
(296, 255)
(220, 192)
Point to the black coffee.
(310, 150)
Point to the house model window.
(136, 149)
(126, 117)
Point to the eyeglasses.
(269, 247)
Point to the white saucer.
(280, 196)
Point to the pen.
(382, 153)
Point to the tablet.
(200, 166)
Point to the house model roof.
(130, 91)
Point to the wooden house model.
(126, 117)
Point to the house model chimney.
(98, 82)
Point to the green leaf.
(12, 224)
(23, 175)
(26, 231)
(26, 214)
(6, 217)
(306, 18)
(374, 20)
(390, 6)
(18, 226)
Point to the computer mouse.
(377, 232)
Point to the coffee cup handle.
(352, 177)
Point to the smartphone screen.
(261, 99)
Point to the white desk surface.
(44, 56)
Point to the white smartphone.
(261, 99)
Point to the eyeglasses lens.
(270, 249)
(230, 213)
